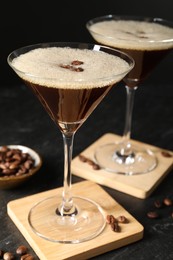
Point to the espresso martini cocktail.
(70, 80)
(147, 41)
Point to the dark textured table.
(24, 121)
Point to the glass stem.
(67, 208)
(126, 145)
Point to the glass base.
(87, 222)
(138, 162)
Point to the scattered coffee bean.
(14, 162)
(153, 214)
(161, 206)
(84, 159)
(110, 219)
(90, 162)
(8, 256)
(114, 222)
(158, 204)
(167, 202)
(27, 257)
(115, 227)
(122, 219)
(96, 167)
(166, 154)
(21, 250)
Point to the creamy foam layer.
(129, 34)
(45, 66)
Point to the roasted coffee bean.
(114, 222)
(77, 62)
(110, 219)
(115, 227)
(4, 148)
(82, 158)
(122, 219)
(93, 164)
(9, 153)
(167, 202)
(3, 166)
(14, 162)
(8, 256)
(17, 157)
(72, 66)
(9, 171)
(158, 204)
(21, 250)
(14, 165)
(65, 66)
(90, 162)
(153, 214)
(28, 164)
(79, 69)
(166, 154)
(96, 167)
(27, 257)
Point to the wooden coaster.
(140, 186)
(108, 240)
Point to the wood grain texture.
(106, 241)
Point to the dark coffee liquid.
(69, 108)
(145, 62)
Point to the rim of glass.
(80, 45)
(108, 17)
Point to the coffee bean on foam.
(128, 34)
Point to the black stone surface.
(23, 121)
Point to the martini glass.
(70, 80)
(148, 41)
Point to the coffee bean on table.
(8, 256)
(115, 227)
(110, 219)
(153, 214)
(84, 159)
(27, 257)
(122, 219)
(166, 154)
(96, 167)
(21, 250)
(168, 202)
(115, 222)
(158, 204)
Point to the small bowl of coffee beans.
(17, 164)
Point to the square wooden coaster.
(108, 240)
(140, 186)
